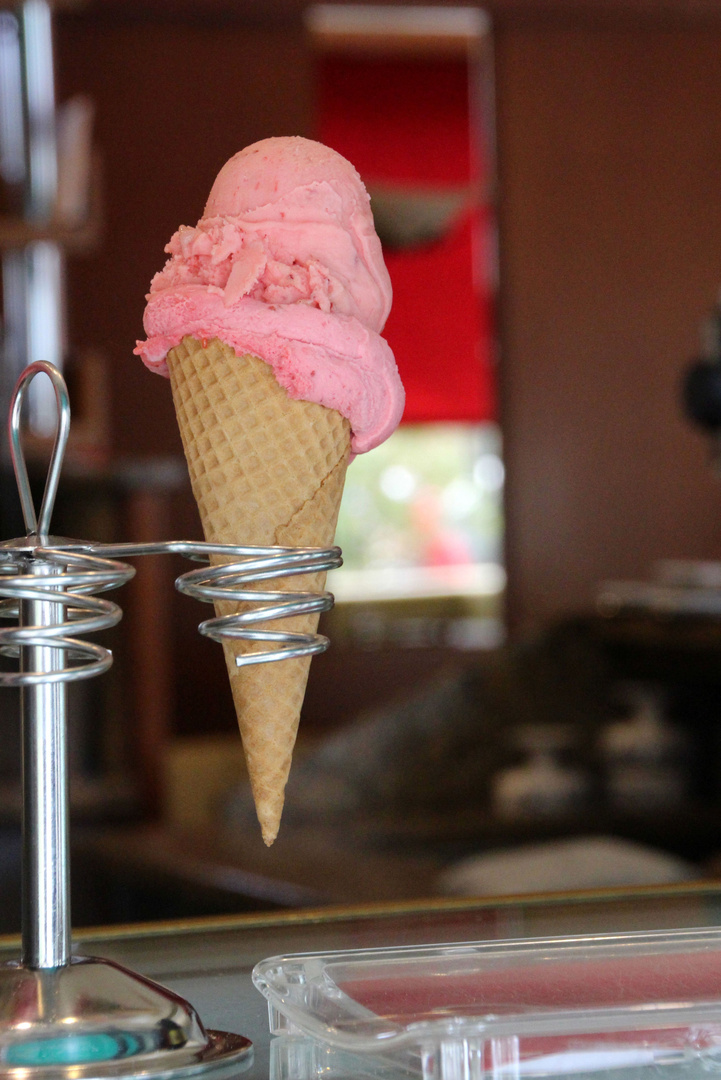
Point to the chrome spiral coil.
(230, 582)
(57, 584)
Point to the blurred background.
(524, 684)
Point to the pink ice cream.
(285, 264)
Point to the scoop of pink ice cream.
(285, 263)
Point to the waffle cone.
(265, 470)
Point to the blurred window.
(422, 515)
(405, 93)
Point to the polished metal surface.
(39, 84)
(38, 270)
(93, 1018)
(65, 1016)
(45, 889)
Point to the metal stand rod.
(36, 38)
(62, 1016)
(43, 283)
(46, 925)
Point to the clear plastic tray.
(643, 1004)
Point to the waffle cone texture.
(265, 470)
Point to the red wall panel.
(406, 123)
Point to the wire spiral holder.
(64, 1016)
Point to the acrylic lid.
(543, 1007)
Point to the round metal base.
(92, 1019)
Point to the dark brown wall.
(609, 144)
(175, 98)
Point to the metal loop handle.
(39, 526)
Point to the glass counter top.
(209, 961)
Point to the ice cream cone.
(265, 469)
(284, 265)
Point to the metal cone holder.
(63, 1016)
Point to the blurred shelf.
(237, 872)
(276, 12)
(78, 235)
(154, 869)
(663, 647)
(55, 5)
(106, 798)
(16, 232)
(692, 830)
(364, 29)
